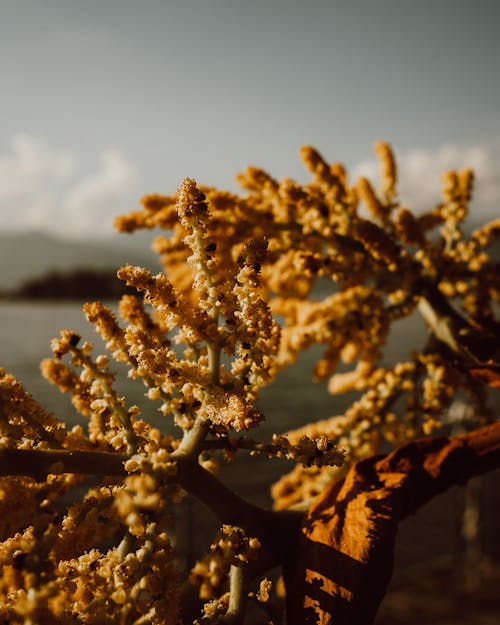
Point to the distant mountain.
(78, 285)
(24, 256)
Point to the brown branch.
(38, 463)
(276, 530)
(345, 552)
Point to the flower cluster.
(248, 282)
(230, 547)
(24, 422)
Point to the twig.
(192, 441)
(238, 595)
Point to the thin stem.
(41, 431)
(109, 394)
(214, 363)
(238, 595)
(125, 546)
(146, 619)
(192, 441)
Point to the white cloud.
(42, 188)
(419, 173)
(97, 197)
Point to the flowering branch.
(250, 281)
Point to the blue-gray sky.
(105, 100)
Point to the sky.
(103, 101)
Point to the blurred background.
(104, 101)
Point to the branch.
(238, 595)
(38, 463)
(345, 552)
(193, 439)
(276, 530)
